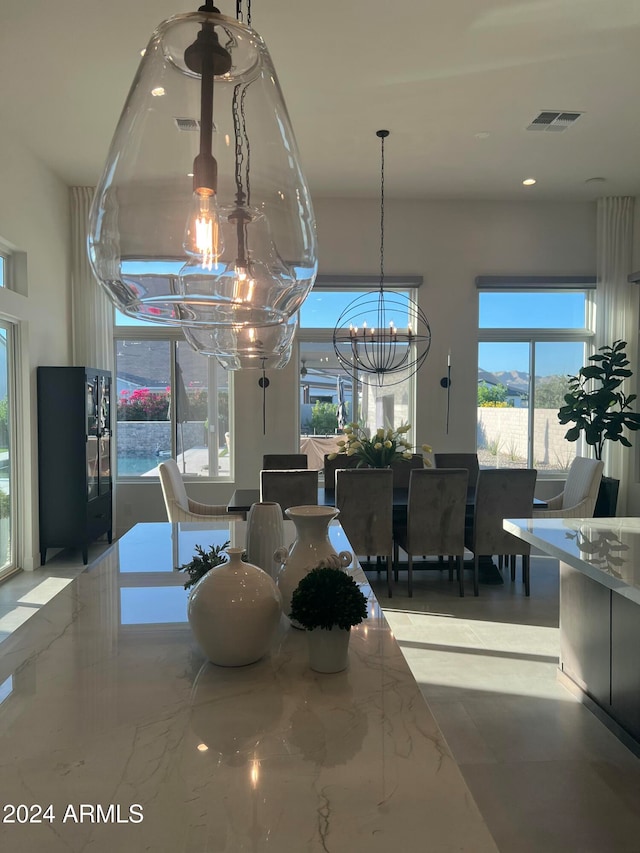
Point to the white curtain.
(616, 312)
(92, 312)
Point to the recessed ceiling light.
(529, 182)
(158, 92)
(484, 134)
(143, 51)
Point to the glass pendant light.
(246, 346)
(202, 216)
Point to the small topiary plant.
(328, 597)
(204, 562)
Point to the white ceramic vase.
(233, 612)
(329, 649)
(265, 534)
(311, 546)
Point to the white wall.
(34, 219)
(449, 243)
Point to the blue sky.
(513, 310)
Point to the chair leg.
(476, 572)
(410, 574)
(525, 573)
(450, 561)
(460, 567)
(396, 560)
(389, 560)
(500, 561)
(513, 566)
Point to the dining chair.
(580, 493)
(332, 465)
(289, 487)
(284, 461)
(459, 460)
(435, 518)
(364, 497)
(179, 506)
(402, 469)
(501, 493)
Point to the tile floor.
(548, 777)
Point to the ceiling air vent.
(187, 124)
(554, 121)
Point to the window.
(7, 461)
(3, 270)
(329, 396)
(171, 402)
(533, 334)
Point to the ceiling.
(456, 82)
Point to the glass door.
(7, 491)
(92, 416)
(104, 439)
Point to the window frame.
(174, 337)
(357, 285)
(532, 336)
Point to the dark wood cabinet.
(74, 457)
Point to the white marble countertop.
(105, 699)
(605, 549)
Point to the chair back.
(289, 487)
(284, 461)
(459, 460)
(402, 469)
(501, 493)
(436, 511)
(332, 465)
(364, 497)
(583, 482)
(173, 490)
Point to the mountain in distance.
(516, 380)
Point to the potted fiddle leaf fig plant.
(327, 603)
(599, 409)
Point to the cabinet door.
(104, 443)
(92, 412)
(104, 449)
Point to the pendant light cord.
(382, 134)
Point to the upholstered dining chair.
(289, 487)
(578, 498)
(179, 506)
(435, 518)
(459, 460)
(364, 497)
(402, 469)
(284, 461)
(501, 493)
(332, 465)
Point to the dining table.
(242, 500)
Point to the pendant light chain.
(239, 14)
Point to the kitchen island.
(599, 612)
(110, 714)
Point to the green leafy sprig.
(204, 562)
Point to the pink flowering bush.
(143, 405)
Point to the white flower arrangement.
(380, 449)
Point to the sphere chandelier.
(384, 336)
